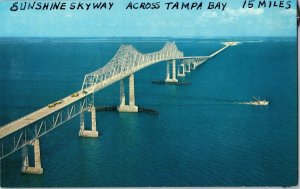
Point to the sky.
(234, 20)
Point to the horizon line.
(95, 37)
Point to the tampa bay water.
(200, 136)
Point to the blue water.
(200, 137)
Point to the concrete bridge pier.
(193, 65)
(173, 80)
(88, 133)
(168, 72)
(181, 70)
(37, 168)
(131, 107)
(188, 67)
(122, 93)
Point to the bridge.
(27, 130)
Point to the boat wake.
(259, 41)
(246, 103)
(256, 102)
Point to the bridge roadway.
(226, 45)
(45, 111)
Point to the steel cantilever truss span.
(127, 61)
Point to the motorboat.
(259, 102)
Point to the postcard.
(132, 93)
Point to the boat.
(259, 102)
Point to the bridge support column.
(174, 71)
(122, 93)
(181, 74)
(88, 133)
(131, 91)
(37, 168)
(188, 67)
(168, 72)
(193, 65)
(131, 107)
(173, 80)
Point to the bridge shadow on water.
(115, 109)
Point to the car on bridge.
(75, 95)
(51, 105)
(55, 103)
(58, 102)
